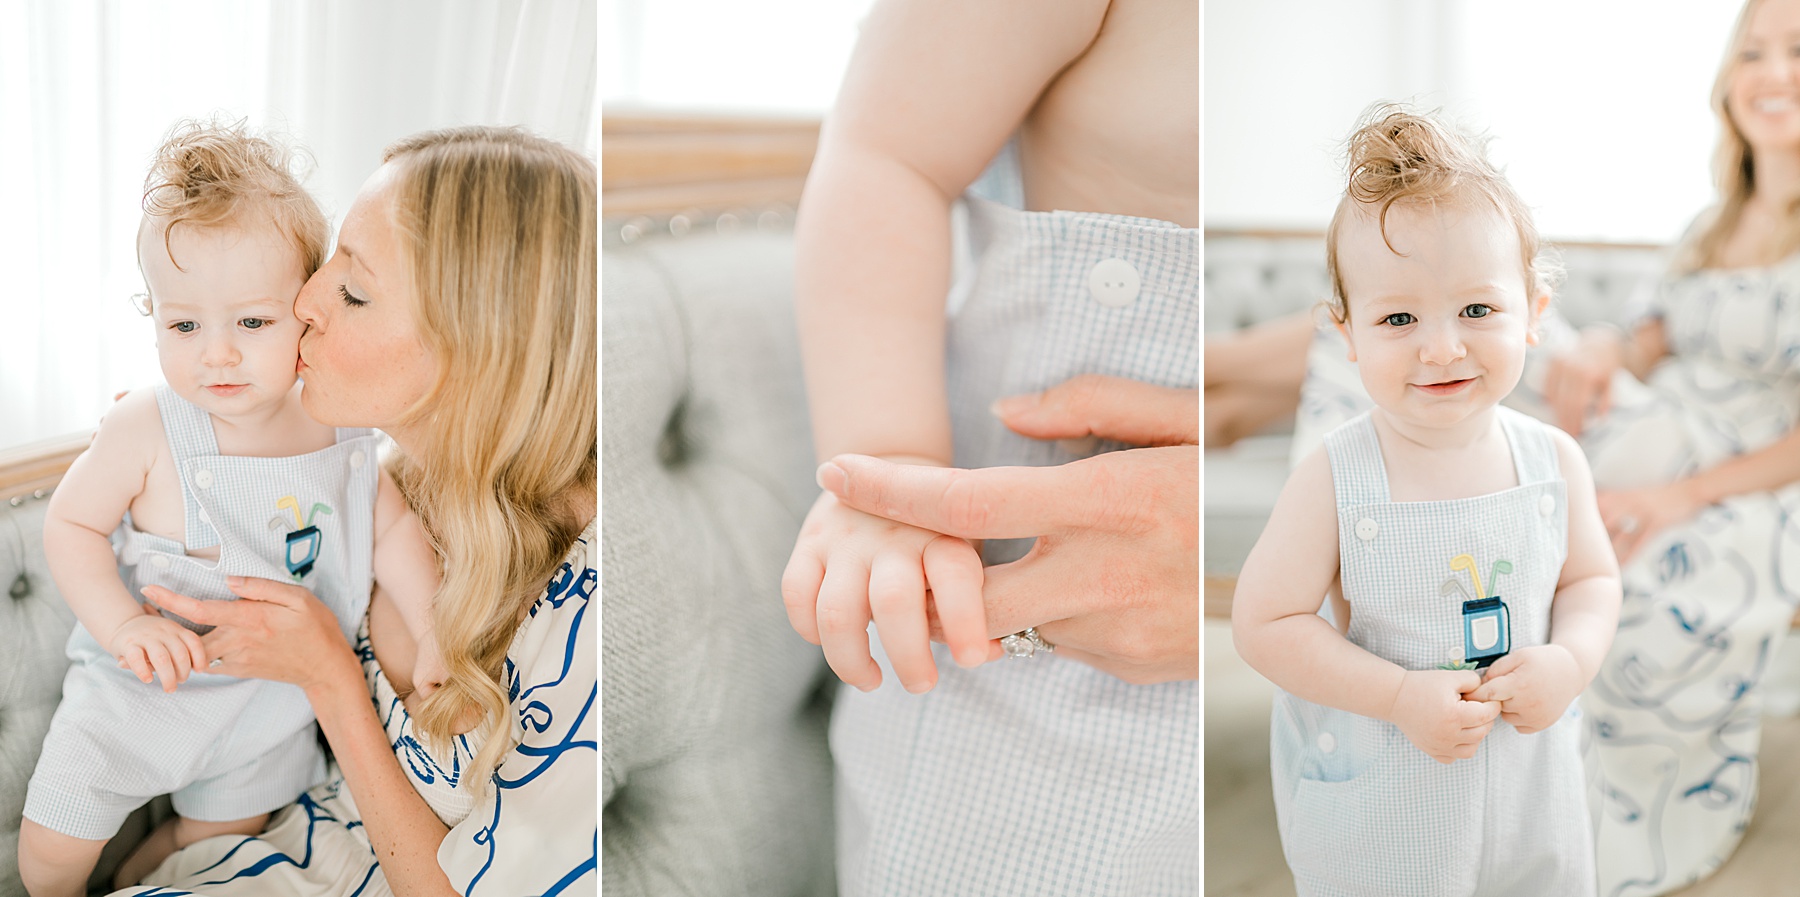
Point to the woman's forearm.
(1770, 467)
(1644, 347)
(403, 830)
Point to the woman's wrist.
(1699, 490)
(338, 683)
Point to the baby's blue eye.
(1477, 311)
(183, 326)
(255, 323)
(1399, 319)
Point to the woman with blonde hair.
(1700, 477)
(458, 315)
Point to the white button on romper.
(225, 748)
(1361, 810)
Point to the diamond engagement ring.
(217, 661)
(1025, 643)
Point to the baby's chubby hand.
(1534, 686)
(849, 567)
(1437, 712)
(151, 643)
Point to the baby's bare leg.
(173, 835)
(53, 864)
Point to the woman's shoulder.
(556, 638)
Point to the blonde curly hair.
(1397, 155)
(216, 173)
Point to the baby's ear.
(1539, 304)
(1343, 326)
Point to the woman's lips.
(226, 390)
(1445, 388)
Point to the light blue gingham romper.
(1361, 810)
(225, 748)
(1037, 776)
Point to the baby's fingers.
(139, 664)
(800, 592)
(1471, 714)
(843, 615)
(897, 603)
(195, 650)
(954, 571)
(163, 663)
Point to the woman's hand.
(1578, 381)
(280, 632)
(1114, 578)
(1632, 516)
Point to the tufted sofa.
(34, 624)
(716, 772)
(1253, 277)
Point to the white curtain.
(87, 89)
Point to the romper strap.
(190, 434)
(1358, 475)
(1534, 454)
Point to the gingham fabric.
(1360, 809)
(1035, 776)
(532, 831)
(225, 748)
(1677, 705)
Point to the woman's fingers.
(1107, 407)
(267, 590)
(897, 604)
(954, 572)
(843, 616)
(206, 613)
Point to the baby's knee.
(189, 831)
(53, 864)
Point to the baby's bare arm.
(933, 91)
(405, 564)
(1585, 612)
(87, 506)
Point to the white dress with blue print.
(533, 832)
(1677, 705)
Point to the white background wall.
(1598, 108)
(785, 57)
(87, 89)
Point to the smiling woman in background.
(1703, 469)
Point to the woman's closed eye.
(1477, 310)
(1399, 319)
(350, 300)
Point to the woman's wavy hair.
(499, 227)
(1396, 155)
(1734, 174)
(218, 173)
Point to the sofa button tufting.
(21, 587)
